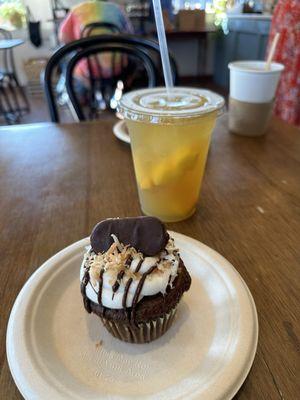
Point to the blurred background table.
(13, 99)
(6, 44)
(57, 181)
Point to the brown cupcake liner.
(143, 332)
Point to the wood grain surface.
(57, 181)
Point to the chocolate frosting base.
(150, 307)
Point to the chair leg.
(14, 96)
(8, 111)
(2, 109)
(22, 93)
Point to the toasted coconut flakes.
(166, 264)
(116, 258)
(94, 274)
(116, 240)
(130, 274)
(111, 249)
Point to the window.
(215, 7)
(12, 14)
(207, 5)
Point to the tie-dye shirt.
(86, 13)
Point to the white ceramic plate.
(57, 351)
(120, 131)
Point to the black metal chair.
(143, 49)
(100, 28)
(138, 53)
(12, 92)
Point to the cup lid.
(157, 104)
(255, 67)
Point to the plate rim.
(22, 383)
(119, 133)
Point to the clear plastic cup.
(170, 135)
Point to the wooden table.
(57, 181)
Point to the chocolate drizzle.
(100, 286)
(86, 300)
(116, 285)
(168, 288)
(124, 300)
(128, 261)
(94, 290)
(138, 267)
(125, 273)
(85, 281)
(138, 291)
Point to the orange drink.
(170, 135)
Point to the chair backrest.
(121, 49)
(100, 28)
(94, 26)
(146, 46)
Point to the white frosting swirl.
(123, 258)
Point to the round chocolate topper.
(146, 234)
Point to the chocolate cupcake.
(133, 278)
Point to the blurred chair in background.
(105, 84)
(143, 69)
(138, 56)
(94, 18)
(96, 28)
(13, 100)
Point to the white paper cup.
(252, 92)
